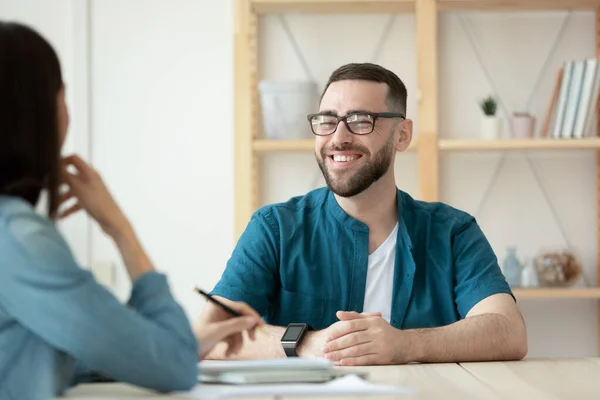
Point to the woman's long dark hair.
(30, 81)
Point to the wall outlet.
(104, 272)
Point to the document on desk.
(344, 386)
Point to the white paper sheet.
(344, 386)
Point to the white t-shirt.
(380, 277)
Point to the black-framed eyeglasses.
(358, 123)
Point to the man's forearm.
(482, 337)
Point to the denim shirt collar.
(344, 218)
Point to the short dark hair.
(397, 94)
(30, 81)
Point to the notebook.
(285, 370)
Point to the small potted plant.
(522, 125)
(490, 123)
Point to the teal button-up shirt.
(305, 259)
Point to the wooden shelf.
(275, 146)
(517, 5)
(333, 6)
(518, 144)
(408, 6)
(557, 293)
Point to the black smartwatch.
(292, 337)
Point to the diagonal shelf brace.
(535, 87)
(470, 37)
(302, 59)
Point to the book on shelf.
(573, 105)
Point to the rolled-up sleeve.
(148, 342)
(477, 273)
(251, 274)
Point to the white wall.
(161, 123)
(63, 24)
(162, 133)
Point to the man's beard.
(370, 173)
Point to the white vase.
(490, 127)
(523, 125)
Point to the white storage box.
(284, 106)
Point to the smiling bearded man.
(359, 272)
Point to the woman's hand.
(86, 185)
(222, 327)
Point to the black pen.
(223, 306)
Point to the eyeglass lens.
(359, 124)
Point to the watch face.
(292, 333)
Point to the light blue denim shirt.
(59, 326)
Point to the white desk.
(531, 379)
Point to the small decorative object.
(522, 124)
(529, 276)
(512, 267)
(490, 123)
(558, 268)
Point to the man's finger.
(342, 328)
(348, 315)
(365, 359)
(346, 341)
(353, 351)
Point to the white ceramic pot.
(490, 127)
(523, 125)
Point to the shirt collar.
(351, 222)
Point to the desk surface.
(531, 379)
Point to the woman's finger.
(83, 169)
(245, 309)
(70, 179)
(66, 196)
(235, 325)
(234, 344)
(71, 210)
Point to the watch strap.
(290, 349)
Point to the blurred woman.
(58, 326)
